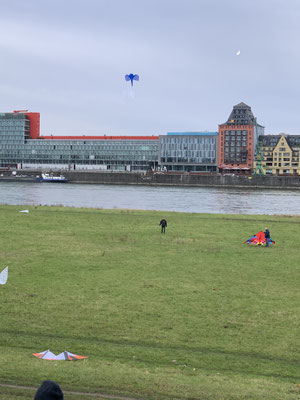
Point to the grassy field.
(192, 314)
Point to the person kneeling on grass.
(267, 236)
(49, 390)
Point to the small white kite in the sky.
(24, 211)
(238, 52)
(3, 276)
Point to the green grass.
(193, 314)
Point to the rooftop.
(193, 133)
(241, 115)
(272, 140)
(13, 116)
(105, 137)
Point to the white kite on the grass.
(65, 355)
(24, 211)
(3, 276)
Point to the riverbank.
(194, 313)
(169, 179)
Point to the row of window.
(110, 163)
(16, 146)
(81, 156)
(93, 147)
(236, 133)
(236, 161)
(88, 145)
(235, 139)
(188, 153)
(189, 140)
(234, 147)
(4, 135)
(14, 124)
(281, 164)
(195, 160)
(11, 130)
(166, 147)
(13, 144)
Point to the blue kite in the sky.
(132, 77)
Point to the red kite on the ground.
(259, 239)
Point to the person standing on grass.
(163, 224)
(267, 236)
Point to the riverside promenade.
(168, 179)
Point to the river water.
(183, 199)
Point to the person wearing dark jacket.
(49, 390)
(267, 236)
(163, 224)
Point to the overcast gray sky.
(67, 59)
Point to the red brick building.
(237, 141)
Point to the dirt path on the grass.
(95, 395)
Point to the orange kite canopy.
(65, 355)
(259, 239)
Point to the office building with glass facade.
(188, 151)
(114, 153)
